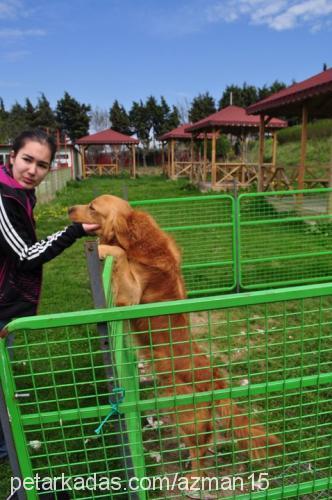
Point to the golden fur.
(147, 269)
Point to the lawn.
(282, 338)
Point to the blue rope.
(114, 407)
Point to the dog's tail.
(252, 438)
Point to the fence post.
(236, 236)
(6, 429)
(121, 436)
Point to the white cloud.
(279, 15)
(15, 33)
(15, 55)
(9, 84)
(10, 9)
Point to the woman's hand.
(90, 228)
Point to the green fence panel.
(203, 227)
(285, 238)
(273, 348)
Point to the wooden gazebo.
(234, 120)
(311, 98)
(179, 167)
(107, 137)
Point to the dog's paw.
(109, 250)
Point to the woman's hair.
(37, 135)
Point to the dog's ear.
(121, 230)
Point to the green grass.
(245, 341)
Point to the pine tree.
(73, 117)
(202, 106)
(17, 121)
(44, 115)
(119, 119)
(3, 123)
(139, 116)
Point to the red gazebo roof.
(176, 133)
(107, 136)
(179, 133)
(231, 119)
(317, 90)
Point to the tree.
(119, 119)
(266, 91)
(203, 105)
(161, 117)
(99, 119)
(141, 124)
(30, 112)
(17, 121)
(73, 117)
(3, 122)
(238, 96)
(44, 116)
(173, 119)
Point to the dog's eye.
(91, 208)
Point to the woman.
(21, 255)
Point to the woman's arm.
(16, 240)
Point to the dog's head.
(110, 213)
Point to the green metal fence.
(260, 240)
(285, 238)
(203, 227)
(273, 348)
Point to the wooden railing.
(101, 169)
(243, 173)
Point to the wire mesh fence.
(232, 390)
(203, 227)
(285, 238)
(260, 240)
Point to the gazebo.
(234, 120)
(107, 137)
(311, 98)
(184, 166)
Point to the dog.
(148, 269)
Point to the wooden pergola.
(311, 98)
(174, 167)
(235, 121)
(107, 137)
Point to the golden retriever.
(147, 269)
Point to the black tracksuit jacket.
(21, 255)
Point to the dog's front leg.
(110, 251)
(127, 289)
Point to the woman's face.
(31, 164)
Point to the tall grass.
(319, 129)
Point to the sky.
(102, 50)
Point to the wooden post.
(329, 204)
(134, 160)
(274, 150)
(304, 135)
(163, 156)
(205, 157)
(168, 160)
(260, 183)
(192, 149)
(83, 161)
(172, 159)
(213, 160)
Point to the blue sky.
(102, 50)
